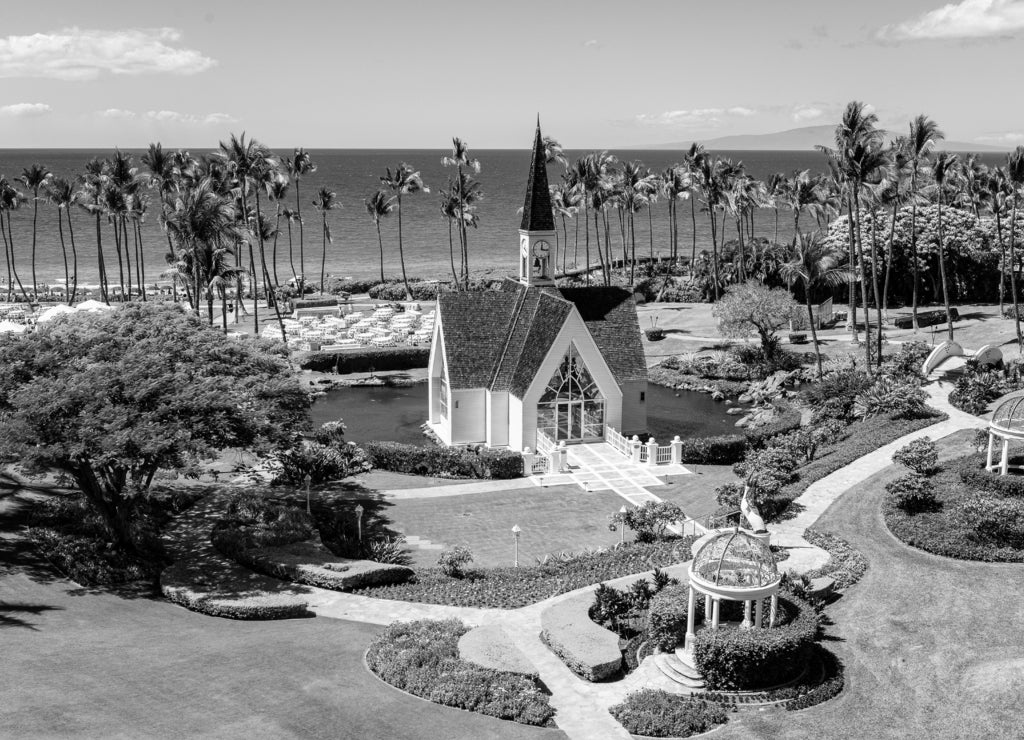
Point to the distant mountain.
(797, 139)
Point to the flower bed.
(511, 588)
(974, 517)
(224, 589)
(845, 566)
(423, 658)
(490, 646)
(657, 713)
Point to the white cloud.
(84, 54)
(188, 119)
(965, 19)
(593, 44)
(695, 117)
(25, 110)
(803, 113)
(117, 113)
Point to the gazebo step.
(682, 674)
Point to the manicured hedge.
(511, 588)
(666, 620)
(734, 659)
(364, 359)
(490, 646)
(423, 658)
(971, 470)
(721, 450)
(445, 462)
(230, 591)
(314, 303)
(926, 318)
(588, 649)
(657, 713)
(846, 564)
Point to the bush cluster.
(364, 359)
(926, 318)
(445, 462)
(907, 360)
(321, 462)
(614, 609)
(666, 619)
(657, 713)
(511, 588)
(736, 659)
(999, 521)
(649, 521)
(846, 565)
(423, 658)
(920, 455)
(913, 493)
(891, 396)
(971, 470)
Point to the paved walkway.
(600, 467)
(459, 489)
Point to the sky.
(413, 74)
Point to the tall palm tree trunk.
(323, 256)
(35, 217)
(874, 288)
(64, 252)
(140, 265)
(302, 240)
(291, 254)
(693, 227)
(863, 285)
(1013, 270)
(99, 258)
(888, 261)
(913, 250)
(14, 262)
(451, 255)
(380, 246)
(851, 290)
(127, 254)
(74, 262)
(277, 233)
(401, 251)
(814, 330)
(7, 259)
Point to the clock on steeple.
(537, 230)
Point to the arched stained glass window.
(571, 407)
(571, 381)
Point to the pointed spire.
(537, 214)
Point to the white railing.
(545, 445)
(539, 465)
(664, 455)
(616, 440)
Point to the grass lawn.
(931, 646)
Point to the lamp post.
(516, 531)
(307, 480)
(622, 529)
(359, 520)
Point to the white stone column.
(527, 462)
(1004, 461)
(714, 613)
(773, 611)
(759, 614)
(707, 609)
(635, 449)
(677, 451)
(652, 452)
(691, 616)
(991, 450)
(746, 623)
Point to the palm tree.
(694, 163)
(553, 152)
(450, 213)
(998, 195)
(815, 265)
(924, 133)
(380, 205)
(460, 158)
(676, 185)
(61, 193)
(893, 194)
(712, 176)
(289, 219)
(801, 193)
(10, 201)
(34, 177)
(944, 171)
(325, 201)
(97, 173)
(277, 191)
(1015, 177)
(778, 185)
(300, 165)
(160, 165)
(404, 181)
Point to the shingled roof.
(537, 215)
(498, 339)
(610, 315)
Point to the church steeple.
(537, 230)
(537, 209)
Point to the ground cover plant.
(657, 713)
(978, 386)
(846, 564)
(423, 658)
(973, 514)
(511, 588)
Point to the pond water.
(395, 414)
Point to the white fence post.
(527, 462)
(677, 451)
(563, 457)
(652, 452)
(635, 451)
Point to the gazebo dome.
(1009, 417)
(735, 559)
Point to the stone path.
(459, 489)
(600, 467)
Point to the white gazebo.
(734, 565)
(1007, 425)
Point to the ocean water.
(354, 175)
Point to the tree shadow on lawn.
(9, 614)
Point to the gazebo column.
(773, 610)
(707, 608)
(991, 450)
(746, 623)
(759, 614)
(1004, 461)
(691, 614)
(714, 613)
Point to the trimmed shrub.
(767, 470)
(733, 659)
(999, 521)
(445, 462)
(722, 450)
(654, 334)
(920, 455)
(913, 493)
(314, 303)
(490, 646)
(589, 650)
(926, 318)
(666, 620)
(364, 359)
(657, 713)
(231, 592)
(971, 470)
(453, 562)
(423, 658)
(846, 565)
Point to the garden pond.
(397, 414)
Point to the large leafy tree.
(109, 399)
(752, 308)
